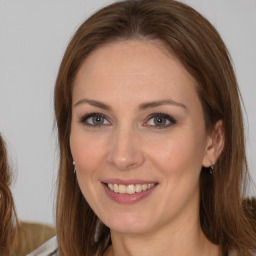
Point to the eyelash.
(171, 120)
(84, 119)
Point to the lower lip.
(128, 198)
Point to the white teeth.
(144, 187)
(138, 188)
(116, 188)
(151, 185)
(130, 189)
(122, 189)
(111, 187)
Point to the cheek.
(86, 151)
(179, 153)
(178, 161)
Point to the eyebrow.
(154, 104)
(94, 103)
(142, 106)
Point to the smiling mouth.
(129, 189)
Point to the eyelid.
(168, 117)
(85, 117)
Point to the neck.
(171, 240)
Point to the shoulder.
(50, 248)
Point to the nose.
(125, 150)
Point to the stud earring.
(74, 166)
(211, 171)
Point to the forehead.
(132, 66)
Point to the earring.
(211, 171)
(74, 166)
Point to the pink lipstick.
(128, 191)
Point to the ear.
(214, 145)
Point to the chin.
(129, 224)
(128, 229)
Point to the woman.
(150, 129)
(7, 208)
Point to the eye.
(94, 119)
(160, 120)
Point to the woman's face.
(138, 137)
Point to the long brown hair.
(7, 209)
(199, 47)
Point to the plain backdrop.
(33, 37)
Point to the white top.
(49, 248)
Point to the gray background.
(33, 37)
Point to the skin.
(123, 75)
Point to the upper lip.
(128, 182)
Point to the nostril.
(126, 160)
